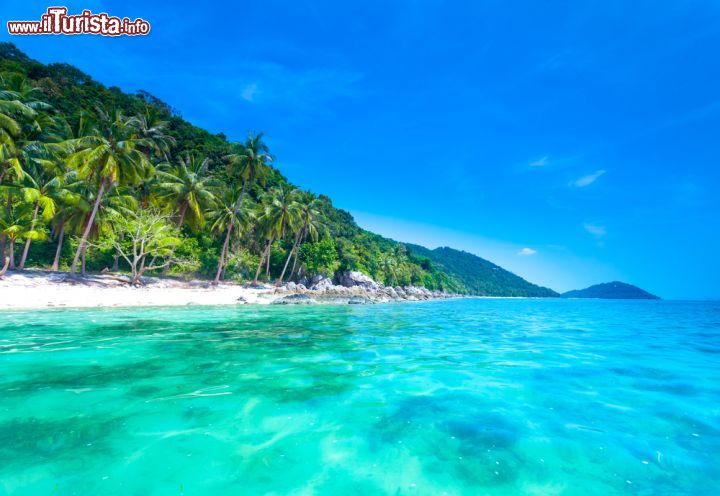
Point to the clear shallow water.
(457, 397)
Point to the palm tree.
(17, 87)
(10, 111)
(226, 212)
(146, 190)
(311, 226)
(43, 196)
(186, 188)
(19, 103)
(72, 211)
(247, 166)
(280, 212)
(23, 132)
(151, 127)
(63, 216)
(111, 155)
(16, 224)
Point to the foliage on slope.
(479, 276)
(342, 245)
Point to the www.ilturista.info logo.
(56, 21)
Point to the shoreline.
(40, 289)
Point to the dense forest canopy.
(92, 178)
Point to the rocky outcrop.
(354, 288)
(322, 285)
(294, 299)
(354, 279)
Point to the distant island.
(615, 290)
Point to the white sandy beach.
(40, 289)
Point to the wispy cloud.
(588, 180)
(274, 84)
(526, 252)
(541, 162)
(595, 229)
(248, 93)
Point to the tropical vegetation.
(95, 179)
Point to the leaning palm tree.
(16, 224)
(226, 212)
(186, 187)
(62, 223)
(43, 194)
(310, 226)
(280, 212)
(73, 211)
(110, 155)
(248, 165)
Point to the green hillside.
(83, 165)
(479, 276)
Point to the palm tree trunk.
(294, 246)
(181, 218)
(86, 233)
(223, 252)
(27, 241)
(4, 269)
(262, 259)
(292, 271)
(116, 257)
(3, 237)
(84, 252)
(116, 261)
(8, 209)
(61, 236)
(12, 253)
(302, 238)
(267, 264)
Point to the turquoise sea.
(476, 396)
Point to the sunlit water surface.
(457, 397)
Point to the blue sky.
(571, 142)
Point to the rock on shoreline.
(353, 288)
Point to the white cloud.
(595, 229)
(588, 180)
(248, 92)
(541, 162)
(525, 252)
